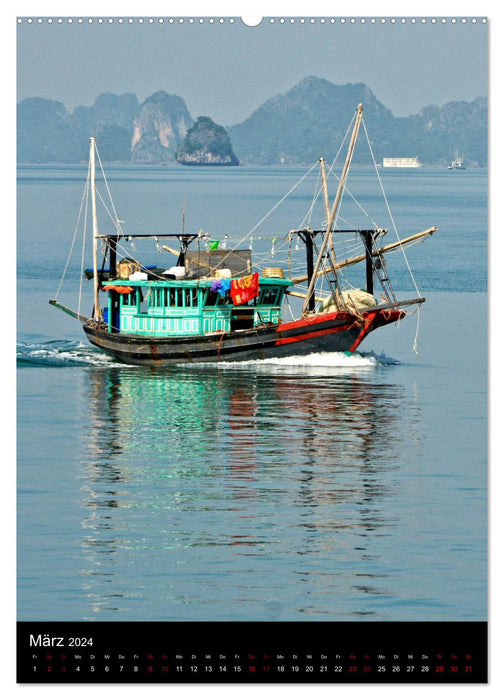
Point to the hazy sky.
(226, 70)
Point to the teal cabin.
(165, 308)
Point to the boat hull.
(338, 331)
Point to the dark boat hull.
(338, 331)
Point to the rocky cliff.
(298, 126)
(158, 128)
(206, 143)
(125, 130)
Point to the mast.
(332, 257)
(308, 238)
(337, 200)
(324, 188)
(96, 309)
(368, 238)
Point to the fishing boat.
(457, 163)
(214, 304)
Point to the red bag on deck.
(244, 289)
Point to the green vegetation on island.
(206, 143)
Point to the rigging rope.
(84, 198)
(355, 202)
(308, 216)
(247, 235)
(284, 243)
(415, 342)
(114, 218)
(388, 208)
(83, 249)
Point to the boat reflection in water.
(240, 493)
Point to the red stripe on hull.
(366, 326)
(314, 334)
(313, 320)
(343, 321)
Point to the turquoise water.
(328, 487)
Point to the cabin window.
(144, 294)
(129, 299)
(269, 296)
(210, 298)
(178, 297)
(173, 297)
(161, 297)
(191, 297)
(214, 299)
(158, 297)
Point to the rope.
(114, 218)
(343, 140)
(316, 194)
(366, 214)
(220, 344)
(84, 193)
(247, 235)
(83, 249)
(388, 209)
(289, 308)
(415, 341)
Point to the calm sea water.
(329, 487)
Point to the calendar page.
(251, 349)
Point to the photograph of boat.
(251, 438)
(213, 305)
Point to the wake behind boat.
(214, 304)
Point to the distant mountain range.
(298, 126)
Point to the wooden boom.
(360, 258)
(68, 311)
